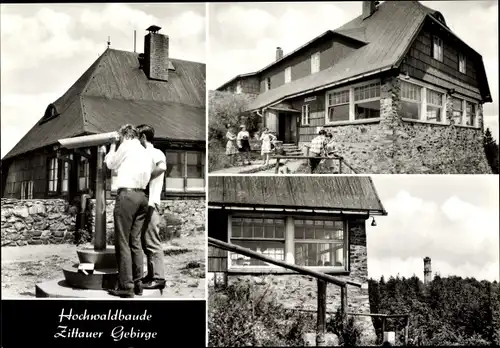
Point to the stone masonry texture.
(53, 221)
(44, 221)
(300, 292)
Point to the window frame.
(315, 62)
(66, 167)
(462, 63)
(341, 270)
(86, 162)
(267, 84)
(305, 115)
(437, 41)
(288, 74)
(53, 176)
(185, 177)
(352, 103)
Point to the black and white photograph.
(363, 87)
(353, 260)
(103, 150)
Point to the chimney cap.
(153, 29)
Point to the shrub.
(345, 328)
(240, 315)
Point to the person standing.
(231, 148)
(243, 141)
(266, 148)
(317, 147)
(133, 166)
(151, 241)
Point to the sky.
(452, 219)
(46, 48)
(247, 34)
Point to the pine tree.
(491, 151)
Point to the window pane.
(193, 158)
(174, 184)
(433, 113)
(319, 254)
(272, 249)
(367, 110)
(176, 171)
(471, 114)
(410, 110)
(195, 184)
(258, 228)
(175, 164)
(367, 92)
(338, 113)
(410, 91)
(434, 98)
(194, 171)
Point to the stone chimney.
(279, 53)
(155, 63)
(427, 271)
(369, 7)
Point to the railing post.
(407, 322)
(340, 165)
(277, 166)
(321, 314)
(343, 301)
(100, 202)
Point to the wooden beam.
(321, 314)
(83, 154)
(299, 269)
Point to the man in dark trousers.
(151, 241)
(133, 165)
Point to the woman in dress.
(329, 150)
(231, 148)
(266, 148)
(243, 142)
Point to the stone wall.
(300, 292)
(37, 221)
(179, 217)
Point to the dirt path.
(23, 267)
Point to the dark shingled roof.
(320, 192)
(114, 91)
(389, 32)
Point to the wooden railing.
(322, 280)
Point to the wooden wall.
(421, 65)
(217, 228)
(331, 51)
(316, 116)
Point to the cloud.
(461, 238)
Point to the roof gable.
(113, 90)
(341, 192)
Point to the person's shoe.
(138, 288)
(156, 284)
(146, 279)
(123, 293)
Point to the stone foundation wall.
(182, 217)
(37, 221)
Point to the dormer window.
(462, 63)
(50, 113)
(288, 74)
(315, 62)
(437, 48)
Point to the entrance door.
(288, 129)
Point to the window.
(84, 172)
(315, 63)
(27, 189)
(238, 87)
(470, 112)
(434, 106)
(266, 236)
(411, 101)
(367, 101)
(268, 83)
(65, 175)
(437, 48)
(314, 242)
(319, 243)
(53, 178)
(305, 115)
(288, 75)
(462, 63)
(185, 171)
(338, 106)
(457, 110)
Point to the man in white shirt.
(151, 242)
(133, 166)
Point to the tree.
(491, 151)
